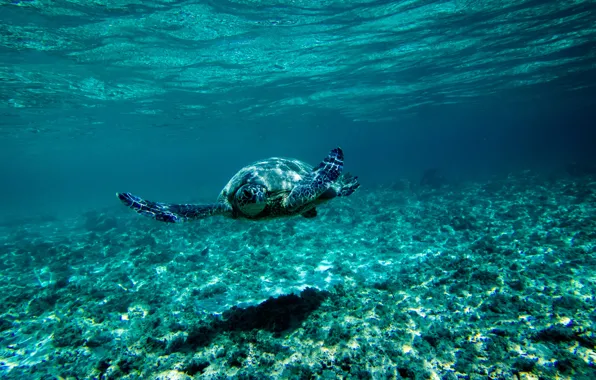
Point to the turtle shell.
(278, 175)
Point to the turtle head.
(251, 199)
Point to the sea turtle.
(271, 188)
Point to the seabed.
(479, 280)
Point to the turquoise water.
(468, 251)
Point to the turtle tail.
(171, 213)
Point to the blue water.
(169, 99)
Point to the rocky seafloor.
(484, 280)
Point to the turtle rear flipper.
(171, 213)
(310, 188)
(349, 184)
(312, 213)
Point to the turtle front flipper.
(171, 213)
(311, 187)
